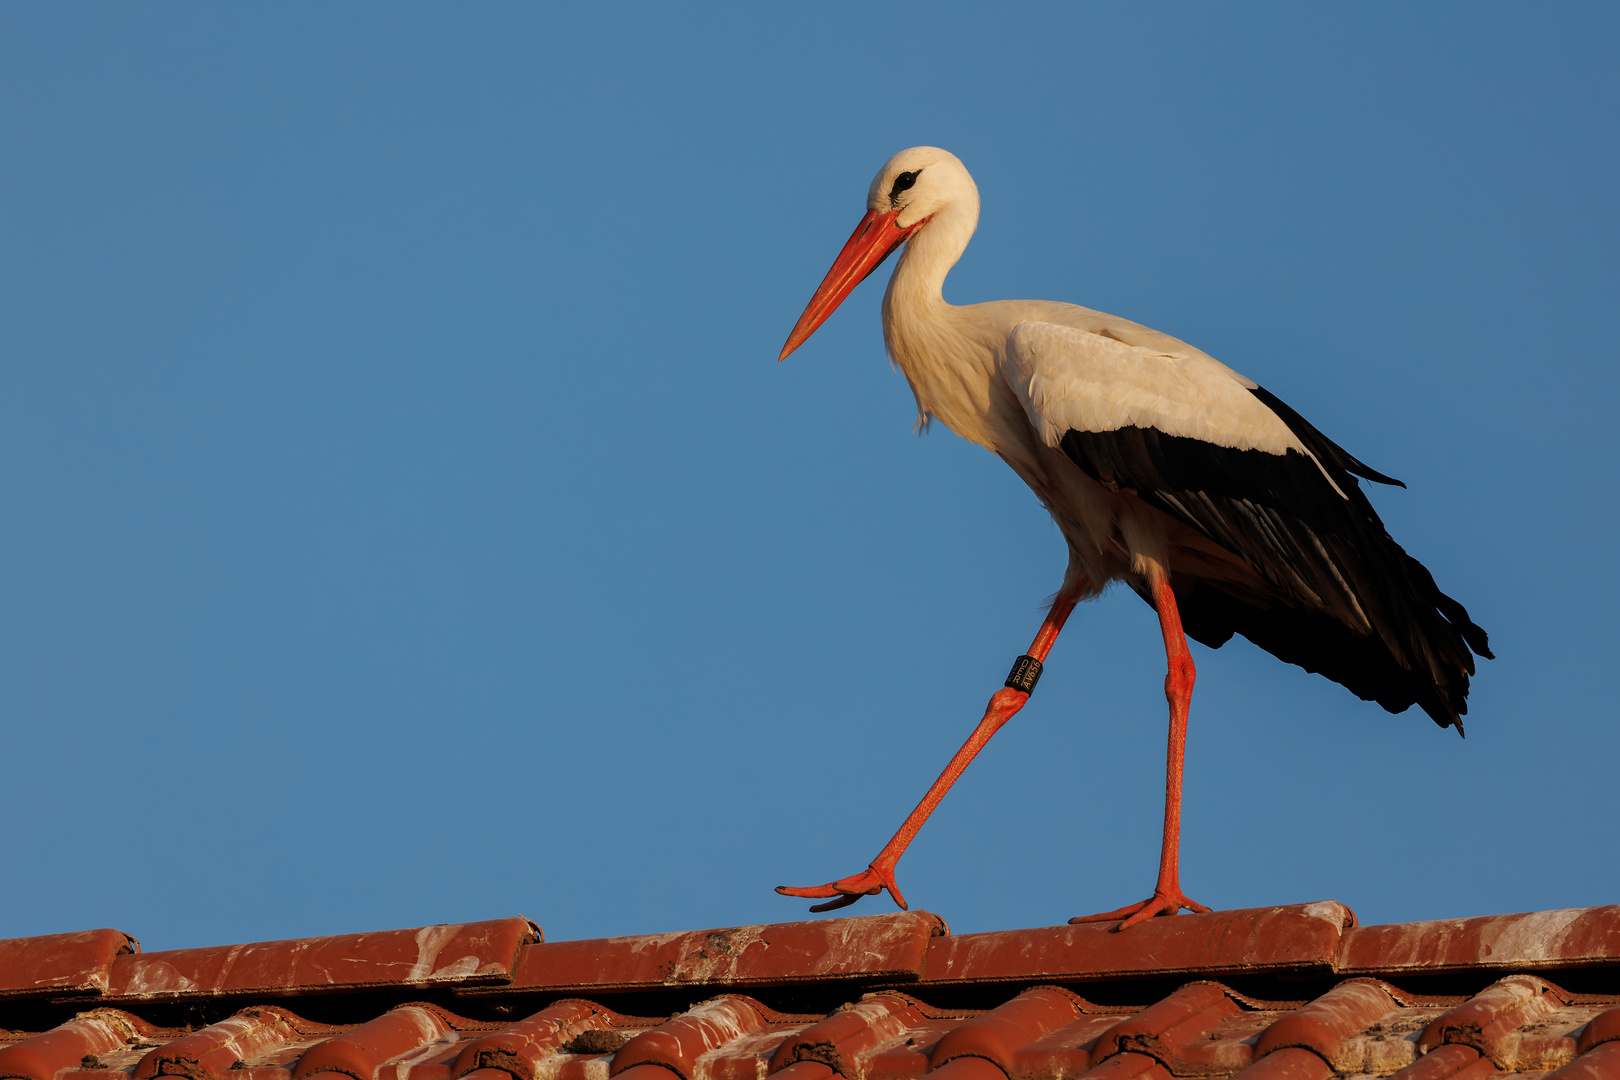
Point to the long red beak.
(873, 240)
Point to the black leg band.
(1026, 672)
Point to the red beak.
(874, 239)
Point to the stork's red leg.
(1167, 898)
(879, 875)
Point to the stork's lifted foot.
(879, 874)
(869, 882)
(1160, 903)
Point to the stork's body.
(965, 372)
(1216, 502)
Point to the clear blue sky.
(405, 518)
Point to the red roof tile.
(522, 1049)
(804, 952)
(460, 954)
(219, 1048)
(1573, 937)
(79, 961)
(1299, 938)
(1269, 994)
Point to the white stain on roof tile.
(1532, 937)
(158, 978)
(429, 940)
(461, 969)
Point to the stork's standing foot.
(1160, 903)
(869, 882)
(1167, 898)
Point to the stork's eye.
(901, 183)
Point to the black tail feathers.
(1365, 664)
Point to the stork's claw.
(845, 891)
(1160, 903)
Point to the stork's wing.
(1193, 438)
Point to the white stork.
(1164, 468)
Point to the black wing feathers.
(1326, 450)
(1351, 604)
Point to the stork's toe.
(845, 891)
(1160, 903)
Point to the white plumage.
(1163, 467)
(1069, 379)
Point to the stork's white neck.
(919, 278)
(934, 343)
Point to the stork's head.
(915, 184)
(906, 194)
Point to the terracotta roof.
(1285, 993)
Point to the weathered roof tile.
(451, 954)
(1179, 1002)
(62, 963)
